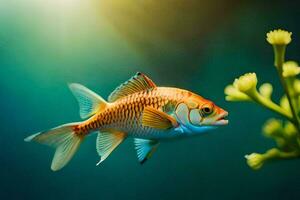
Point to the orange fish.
(138, 109)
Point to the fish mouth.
(222, 120)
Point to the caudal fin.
(63, 139)
(89, 102)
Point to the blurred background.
(193, 44)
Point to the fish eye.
(207, 109)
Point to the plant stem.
(276, 153)
(256, 97)
(288, 95)
(279, 51)
(294, 96)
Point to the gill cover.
(190, 120)
(182, 114)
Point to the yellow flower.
(246, 83)
(280, 142)
(266, 90)
(279, 37)
(272, 127)
(290, 130)
(290, 69)
(255, 160)
(284, 103)
(233, 94)
(297, 86)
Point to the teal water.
(201, 47)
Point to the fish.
(138, 109)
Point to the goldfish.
(138, 109)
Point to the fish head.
(196, 111)
(211, 115)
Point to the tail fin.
(64, 139)
(89, 102)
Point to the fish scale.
(125, 114)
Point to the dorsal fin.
(139, 82)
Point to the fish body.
(138, 109)
(126, 113)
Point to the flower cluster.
(286, 133)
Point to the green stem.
(256, 97)
(279, 51)
(279, 55)
(293, 110)
(294, 96)
(276, 153)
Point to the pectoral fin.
(145, 148)
(157, 119)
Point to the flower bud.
(272, 127)
(246, 83)
(255, 160)
(266, 90)
(297, 86)
(290, 130)
(290, 69)
(284, 103)
(233, 94)
(279, 37)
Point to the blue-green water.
(201, 47)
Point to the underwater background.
(192, 44)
